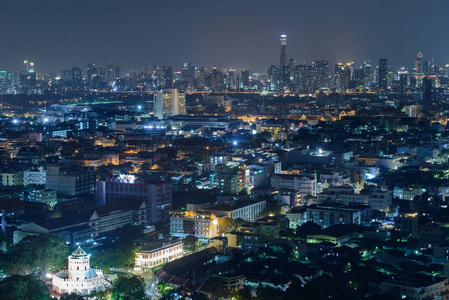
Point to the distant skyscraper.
(245, 78)
(201, 78)
(419, 63)
(367, 74)
(31, 67)
(168, 77)
(77, 77)
(427, 90)
(117, 72)
(26, 66)
(322, 74)
(283, 56)
(92, 75)
(273, 76)
(2, 79)
(383, 74)
(339, 71)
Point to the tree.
(23, 287)
(119, 251)
(72, 296)
(37, 254)
(128, 287)
(100, 295)
(216, 288)
(191, 243)
(307, 229)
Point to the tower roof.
(79, 252)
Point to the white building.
(159, 253)
(79, 277)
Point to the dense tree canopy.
(36, 254)
(128, 288)
(24, 288)
(119, 250)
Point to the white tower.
(79, 278)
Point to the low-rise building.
(202, 225)
(239, 209)
(417, 287)
(158, 253)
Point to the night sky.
(240, 34)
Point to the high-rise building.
(77, 76)
(92, 76)
(273, 76)
(158, 105)
(283, 55)
(403, 79)
(168, 77)
(26, 66)
(427, 90)
(367, 74)
(245, 78)
(2, 79)
(169, 103)
(383, 74)
(419, 63)
(117, 72)
(339, 71)
(359, 80)
(322, 74)
(201, 78)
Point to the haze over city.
(240, 34)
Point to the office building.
(283, 54)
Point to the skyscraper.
(419, 63)
(169, 103)
(367, 74)
(322, 74)
(77, 77)
(383, 74)
(283, 56)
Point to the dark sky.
(241, 34)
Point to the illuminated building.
(79, 278)
(201, 225)
(242, 209)
(157, 194)
(158, 253)
(407, 222)
(283, 55)
(169, 103)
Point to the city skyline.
(207, 33)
